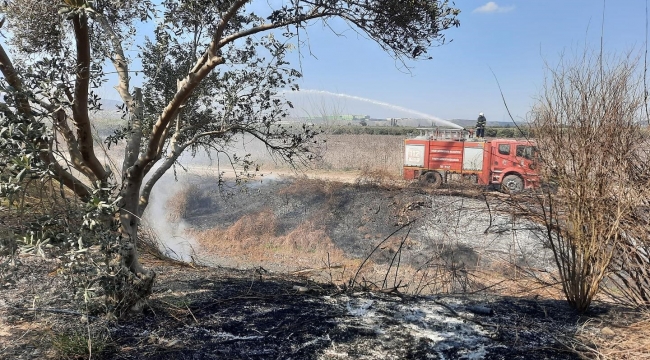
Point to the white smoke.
(172, 234)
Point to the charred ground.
(262, 311)
(219, 313)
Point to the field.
(340, 260)
(352, 220)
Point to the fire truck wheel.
(512, 184)
(432, 179)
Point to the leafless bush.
(587, 122)
(629, 277)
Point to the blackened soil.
(218, 313)
(225, 314)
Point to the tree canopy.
(213, 70)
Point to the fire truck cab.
(438, 156)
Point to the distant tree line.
(509, 132)
(496, 132)
(370, 130)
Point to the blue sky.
(512, 37)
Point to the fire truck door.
(414, 155)
(501, 158)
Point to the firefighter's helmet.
(480, 114)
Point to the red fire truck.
(438, 156)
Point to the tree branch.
(186, 87)
(24, 107)
(67, 179)
(132, 151)
(266, 27)
(222, 25)
(61, 123)
(175, 153)
(163, 138)
(145, 193)
(59, 120)
(211, 52)
(119, 61)
(202, 68)
(9, 72)
(80, 106)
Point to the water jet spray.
(435, 119)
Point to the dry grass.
(613, 341)
(177, 204)
(382, 178)
(357, 152)
(312, 186)
(255, 240)
(507, 279)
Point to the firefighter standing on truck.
(480, 126)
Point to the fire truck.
(438, 156)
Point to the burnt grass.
(356, 217)
(253, 318)
(349, 213)
(222, 313)
(219, 313)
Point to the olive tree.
(212, 72)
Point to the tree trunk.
(138, 284)
(134, 283)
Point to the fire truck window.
(525, 151)
(504, 149)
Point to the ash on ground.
(218, 313)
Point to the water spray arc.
(435, 119)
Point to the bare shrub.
(444, 272)
(628, 281)
(587, 122)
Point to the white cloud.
(492, 7)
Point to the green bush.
(506, 133)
